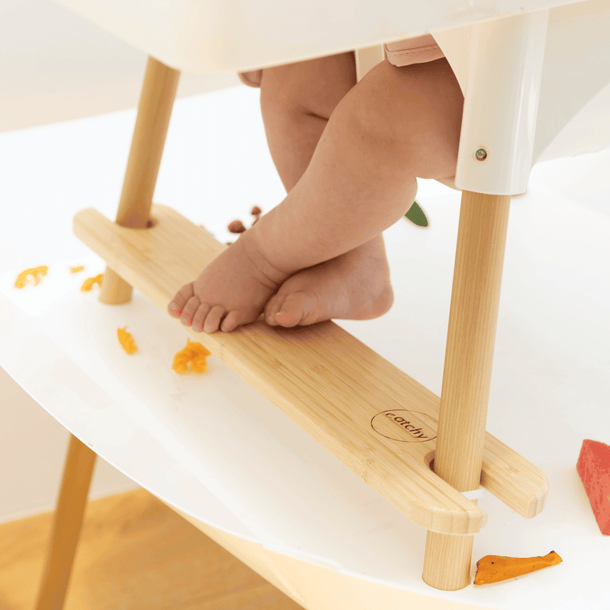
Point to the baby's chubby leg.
(296, 102)
(395, 125)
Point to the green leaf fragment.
(416, 215)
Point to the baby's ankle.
(249, 240)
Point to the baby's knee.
(312, 87)
(380, 105)
(416, 110)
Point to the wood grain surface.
(332, 385)
(134, 553)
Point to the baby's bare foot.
(353, 286)
(230, 292)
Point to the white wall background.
(55, 66)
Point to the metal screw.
(481, 154)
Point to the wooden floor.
(134, 553)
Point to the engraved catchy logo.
(405, 426)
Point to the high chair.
(520, 93)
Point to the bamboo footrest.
(370, 415)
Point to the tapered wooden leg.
(471, 338)
(67, 525)
(154, 112)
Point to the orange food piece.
(194, 353)
(126, 341)
(76, 269)
(494, 568)
(33, 272)
(88, 283)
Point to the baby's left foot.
(230, 292)
(353, 286)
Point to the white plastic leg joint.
(501, 104)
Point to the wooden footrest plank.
(370, 415)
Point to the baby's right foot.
(353, 286)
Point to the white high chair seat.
(221, 36)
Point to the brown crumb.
(236, 227)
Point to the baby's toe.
(180, 299)
(230, 322)
(200, 316)
(189, 310)
(293, 309)
(272, 307)
(212, 321)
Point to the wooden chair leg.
(154, 112)
(471, 338)
(67, 524)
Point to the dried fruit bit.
(126, 341)
(237, 227)
(593, 466)
(88, 283)
(494, 568)
(76, 269)
(194, 353)
(256, 212)
(22, 277)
